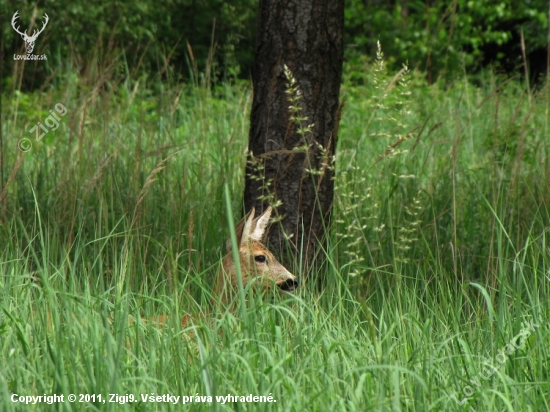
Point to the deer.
(257, 264)
(29, 40)
(256, 261)
(259, 269)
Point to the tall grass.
(438, 257)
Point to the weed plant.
(439, 253)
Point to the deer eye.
(260, 258)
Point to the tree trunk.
(306, 36)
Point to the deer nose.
(289, 285)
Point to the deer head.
(29, 40)
(256, 261)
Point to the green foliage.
(441, 156)
(438, 250)
(215, 39)
(179, 33)
(443, 37)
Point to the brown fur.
(256, 263)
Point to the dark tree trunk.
(306, 36)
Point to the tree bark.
(306, 36)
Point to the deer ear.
(248, 228)
(259, 225)
(240, 230)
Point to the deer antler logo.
(29, 40)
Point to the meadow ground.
(437, 267)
